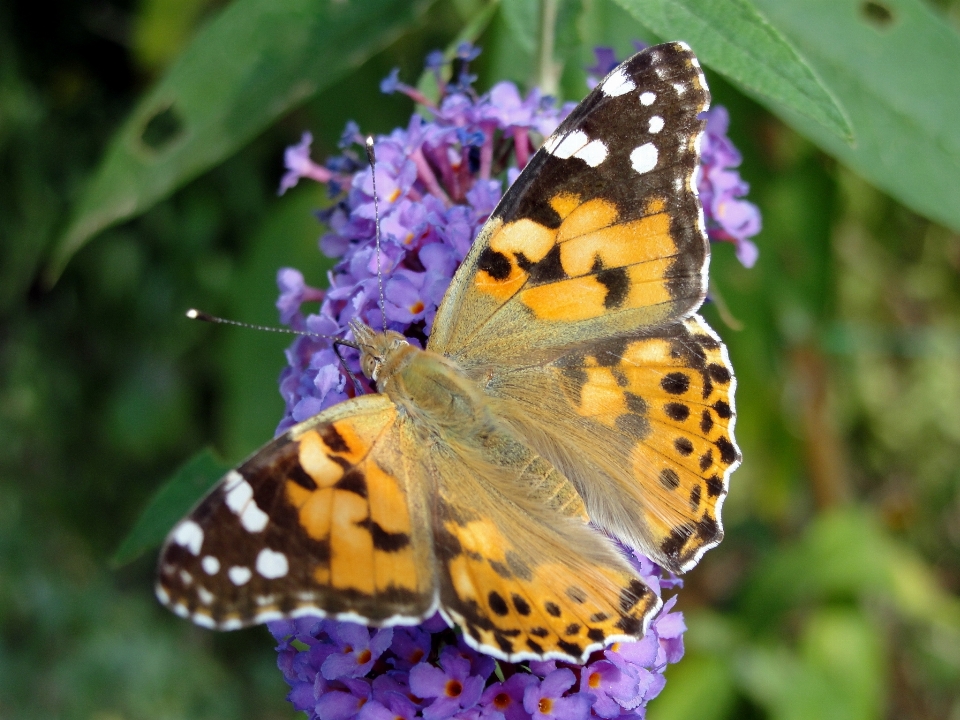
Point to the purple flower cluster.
(345, 671)
(437, 181)
(728, 216)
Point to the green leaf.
(897, 75)
(700, 688)
(522, 17)
(171, 502)
(837, 675)
(254, 62)
(737, 41)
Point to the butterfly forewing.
(329, 518)
(601, 234)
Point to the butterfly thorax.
(426, 385)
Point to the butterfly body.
(568, 397)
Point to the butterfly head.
(379, 352)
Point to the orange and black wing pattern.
(601, 234)
(327, 519)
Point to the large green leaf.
(895, 69)
(171, 502)
(737, 41)
(254, 62)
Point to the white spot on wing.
(618, 83)
(656, 124)
(647, 98)
(186, 577)
(253, 518)
(240, 500)
(231, 624)
(570, 144)
(206, 597)
(233, 478)
(181, 610)
(644, 158)
(593, 153)
(210, 565)
(551, 143)
(239, 494)
(272, 564)
(189, 535)
(239, 575)
(203, 620)
(680, 88)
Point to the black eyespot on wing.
(669, 478)
(695, 497)
(522, 606)
(714, 486)
(675, 383)
(723, 409)
(497, 603)
(719, 373)
(706, 421)
(728, 453)
(677, 411)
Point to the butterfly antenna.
(207, 317)
(372, 157)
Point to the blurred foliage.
(835, 593)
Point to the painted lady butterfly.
(569, 394)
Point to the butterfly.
(569, 397)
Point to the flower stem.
(548, 70)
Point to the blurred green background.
(835, 593)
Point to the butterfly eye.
(370, 366)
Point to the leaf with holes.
(894, 63)
(254, 62)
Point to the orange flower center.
(545, 705)
(594, 680)
(454, 688)
(416, 307)
(364, 657)
(501, 701)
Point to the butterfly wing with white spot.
(328, 518)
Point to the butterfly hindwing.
(520, 570)
(601, 234)
(643, 427)
(328, 518)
